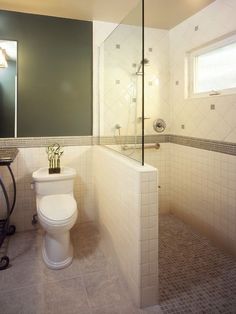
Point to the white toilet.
(57, 213)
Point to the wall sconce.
(3, 61)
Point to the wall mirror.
(8, 88)
(53, 65)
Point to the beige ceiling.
(158, 13)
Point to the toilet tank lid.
(42, 174)
(57, 207)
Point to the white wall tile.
(202, 190)
(124, 212)
(30, 159)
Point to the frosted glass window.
(215, 70)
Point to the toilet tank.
(56, 183)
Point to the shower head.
(143, 62)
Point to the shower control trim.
(159, 125)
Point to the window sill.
(228, 92)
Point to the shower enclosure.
(189, 64)
(121, 79)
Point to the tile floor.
(91, 285)
(195, 277)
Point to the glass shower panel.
(121, 90)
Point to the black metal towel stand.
(5, 228)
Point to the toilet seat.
(57, 208)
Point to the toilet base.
(57, 250)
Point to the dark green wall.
(54, 73)
(7, 100)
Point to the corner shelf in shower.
(7, 156)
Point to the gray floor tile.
(22, 301)
(22, 274)
(104, 293)
(72, 271)
(128, 309)
(151, 310)
(25, 246)
(92, 263)
(66, 296)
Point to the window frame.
(191, 57)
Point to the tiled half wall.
(126, 206)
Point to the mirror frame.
(16, 88)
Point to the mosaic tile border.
(45, 141)
(211, 145)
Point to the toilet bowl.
(57, 214)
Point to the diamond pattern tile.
(212, 22)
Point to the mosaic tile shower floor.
(195, 276)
